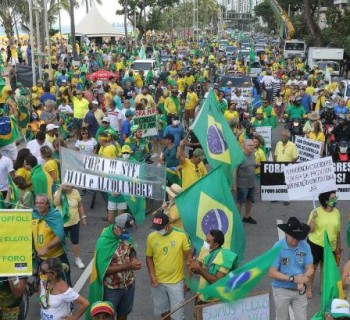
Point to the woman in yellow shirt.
(20, 169)
(50, 166)
(317, 134)
(231, 112)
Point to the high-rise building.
(240, 6)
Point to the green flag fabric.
(203, 208)
(137, 206)
(332, 286)
(216, 138)
(251, 55)
(239, 283)
(15, 193)
(142, 53)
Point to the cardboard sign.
(147, 121)
(265, 132)
(308, 149)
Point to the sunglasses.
(46, 272)
(84, 133)
(105, 122)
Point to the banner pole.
(179, 307)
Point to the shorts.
(317, 252)
(116, 206)
(9, 151)
(73, 232)
(122, 299)
(245, 194)
(189, 114)
(167, 297)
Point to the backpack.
(5, 127)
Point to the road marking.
(281, 236)
(84, 276)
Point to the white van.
(145, 65)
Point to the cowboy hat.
(295, 228)
(173, 190)
(313, 115)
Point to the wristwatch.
(291, 279)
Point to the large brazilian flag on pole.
(208, 204)
(216, 137)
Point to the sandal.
(309, 294)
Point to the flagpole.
(179, 307)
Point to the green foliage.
(264, 11)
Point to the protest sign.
(16, 242)
(112, 175)
(309, 178)
(253, 307)
(308, 149)
(147, 121)
(265, 132)
(342, 174)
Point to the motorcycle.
(296, 128)
(341, 151)
(329, 135)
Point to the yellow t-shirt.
(42, 236)
(286, 153)
(138, 81)
(231, 114)
(73, 199)
(260, 156)
(114, 87)
(80, 107)
(174, 216)
(320, 103)
(108, 99)
(191, 173)
(109, 151)
(181, 84)
(329, 221)
(169, 106)
(51, 165)
(191, 101)
(310, 91)
(190, 80)
(319, 137)
(168, 254)
(23, 172)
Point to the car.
(145, 65)
(230, 51)
(223, 43)
(255, 69)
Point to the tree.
(263, 10)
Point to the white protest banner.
(265, 132)
(308, 149)
(310, 178)
(147, 121)
(112, 175)
(240, 309)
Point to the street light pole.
(32, 39)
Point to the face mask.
(161, 232)
(126, 155)
(206, 245)
(332, 202)
(43, 277)
(176, 122)
(125, 235)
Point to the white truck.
(326, 57)
(293, 48)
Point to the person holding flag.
(291, 270)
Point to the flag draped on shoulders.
(216, 138)
(239, 283)
(137, 206)
(332, 286)
(203, 208)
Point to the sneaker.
(154, 155)
(79, 263)
(249, 220)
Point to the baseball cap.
(102, 307)
(105, 119)
(126, 149)
(128, 113)
(199, 153)
(125, 221)
(50, 127)
(95, 102)
(160, 220)
(339, 309)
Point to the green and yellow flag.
(216, 138)
(240, 282)
(203, 208)
(15, 193)
(137, 206)
(332, 286)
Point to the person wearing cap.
(51, 132)
(114, 263)
(102, 310)
(313, 116)
(106, 127)
(107, 148)
(338, 309)
(244, 182)
(259, 120)
(125, 129)
(166, 249)
(324, 218)
(291, 270)
(192, 169)
(172, 106)
(170, 207)
(138, 143)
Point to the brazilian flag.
(239, 283)
(216, 138)
(137, 206)
(15, 193)
(332, 286)
(202, 209)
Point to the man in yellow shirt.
(191, 103)
(172, 105)
(192, 169)
(189, 79)
(107, 149)
(80, 106)
(286, 150)
(145, 95)
(166, 249)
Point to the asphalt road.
(259, 238)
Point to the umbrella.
(102, 75)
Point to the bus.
(294, 48)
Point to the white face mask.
(176, 122)
(126, 155)
(161, 232)
(206, 245)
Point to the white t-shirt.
(59, 304)
(267, 81)
(65, 109)
(34, 148)
(86, 146)
(6, 166)
(113, 118)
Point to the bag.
(5, 128)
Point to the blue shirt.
(306, 101)
(47, 96)
(118, 102)
(291, 261)
(177, 132)
(341, 110)
(93, 125)
(125, 129)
